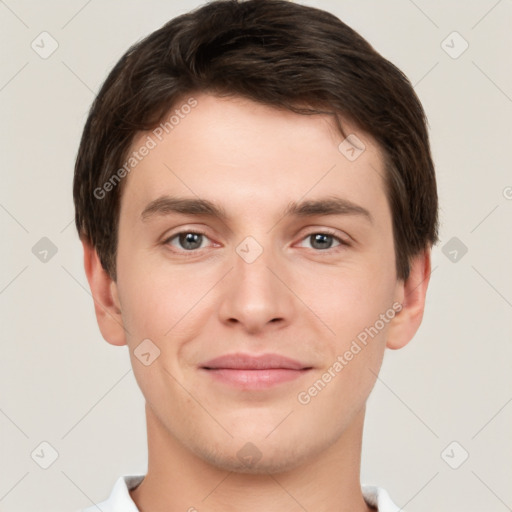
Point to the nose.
(255, 295)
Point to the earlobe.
(411, 295)
(106, 299)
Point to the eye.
(190, 241)
(187, 240)
(324, 240)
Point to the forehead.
(244, 153)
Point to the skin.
(295, 299)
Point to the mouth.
(254, 372)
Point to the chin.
(258, 458)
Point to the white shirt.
(121, 501)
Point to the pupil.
(190, 240)
(322, 241)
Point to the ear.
(411, 295)
(106, 299)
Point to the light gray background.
(61, 383)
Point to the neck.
(177, 480)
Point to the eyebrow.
(166, 205)
(327, 206)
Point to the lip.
(239, 361)
(254, 372)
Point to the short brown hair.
(278, 53)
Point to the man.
(257, 203)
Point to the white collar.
(121, 501)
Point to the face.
(247, 233)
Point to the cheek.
(162, 302)
(352, 360)
(348, 300)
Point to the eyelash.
(192, 252)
